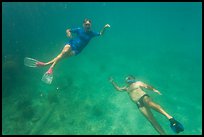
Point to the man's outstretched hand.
(107, 26)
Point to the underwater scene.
(159, 43)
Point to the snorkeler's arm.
(70, 31)
(149, 87)
(69, 35)
(117, 87)
(104, 28)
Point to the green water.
(159, 43)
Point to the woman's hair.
(85, 20)
(129, 77)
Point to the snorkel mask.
(130, 79)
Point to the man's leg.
(65, 52)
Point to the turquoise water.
(159, 43)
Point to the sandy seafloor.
(159, 43)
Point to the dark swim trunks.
(140, 102)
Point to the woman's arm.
(116, 86)
(149, 87)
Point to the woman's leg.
(158, 108)
(148, 114)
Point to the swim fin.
(32, 62)
(176, 126)
(48, 76)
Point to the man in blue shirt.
(73, 47)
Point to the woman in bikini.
(145, 104)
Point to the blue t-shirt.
(81, 40)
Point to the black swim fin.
(176, 126)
